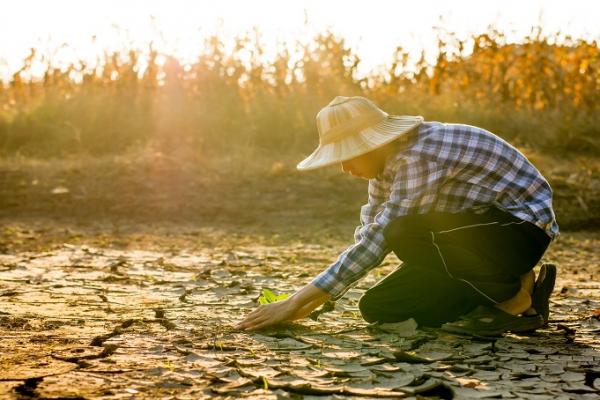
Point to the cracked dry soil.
(80, 322)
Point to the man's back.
(473, 169)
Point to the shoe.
(544, 285)
(485, 321)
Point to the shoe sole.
(540, 298)
(514, 324)
(532, 324)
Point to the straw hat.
(352, 126)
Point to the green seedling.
(270, 297)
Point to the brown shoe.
(485, 321)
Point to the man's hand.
(297, 306)
(269, 314)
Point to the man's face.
(366, 166)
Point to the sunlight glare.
(66, 31)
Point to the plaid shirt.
(446, 168)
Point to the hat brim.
(364, 142)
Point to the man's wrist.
(296, 302)
(307, 295)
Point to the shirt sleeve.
(378, 194)
(413, 190)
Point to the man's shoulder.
(435, 127)
(455, 134)
(443, 142)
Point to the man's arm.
(299, 305)
(302, 303)
(413, 190)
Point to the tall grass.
(542, 92)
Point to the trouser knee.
(404, 229)
(394, 231)
(367, 309)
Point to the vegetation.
(543, 92)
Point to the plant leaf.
(270, 297)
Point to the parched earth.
(87, 321)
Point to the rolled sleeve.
(353, 263)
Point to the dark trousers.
(451, 264)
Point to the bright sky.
(373, 28)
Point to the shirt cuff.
(327, 283)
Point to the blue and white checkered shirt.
(446, 168)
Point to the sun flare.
(65, 31)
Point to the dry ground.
(122, 284)
(82, 321)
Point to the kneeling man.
(466, 212)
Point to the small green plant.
(169, 365)
(270, 297)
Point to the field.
(124, 279)
(542, 93)
(145, 204)
(158, 323)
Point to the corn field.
(543, 92)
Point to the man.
(465, 211)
